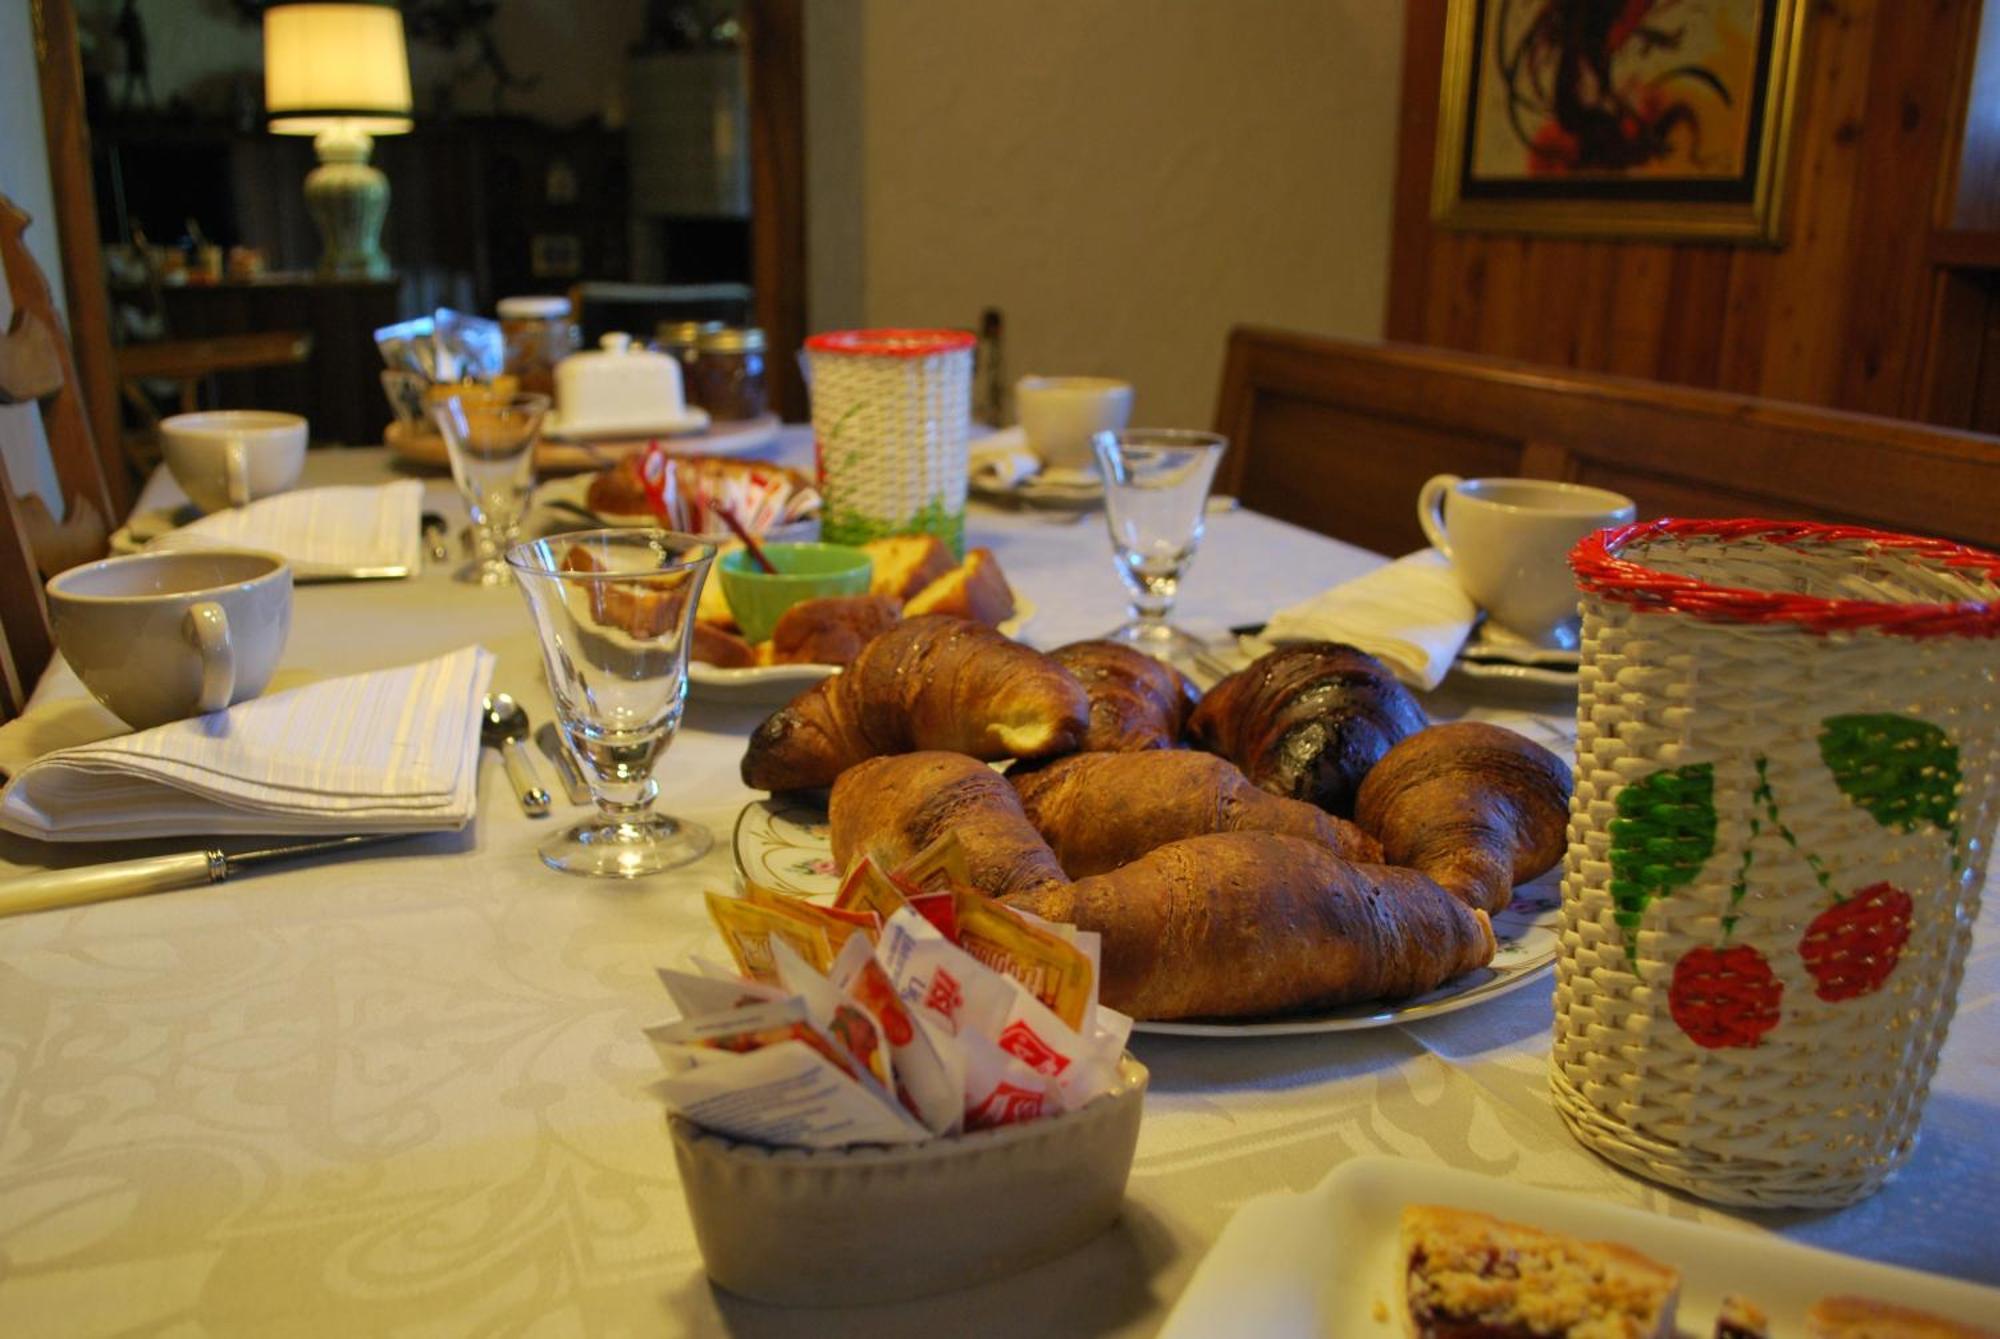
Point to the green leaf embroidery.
(1902, 770)
(1664, 831)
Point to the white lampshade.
(328, 63)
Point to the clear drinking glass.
(615, 613)
(490, 439)
(1155, 496)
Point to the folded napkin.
(1003, 460)
(322, 532)
(1411, 615)
(392, 750)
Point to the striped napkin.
(324, 533)
(393, 750)
(1411, 615)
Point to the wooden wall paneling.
(1635, 305)
(60, 69)
(774, 42)
(1411, 261)
(1959, 314)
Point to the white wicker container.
(889, 412)
(1787, 747)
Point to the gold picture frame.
(1493, 175)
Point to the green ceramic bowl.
(805, 572)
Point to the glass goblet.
(1155, 498)
(614, 610)
(490, 439)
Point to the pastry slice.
(905, 564)
(1469, 1274)
(976, 590)
(1861, 1318)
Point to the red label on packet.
(940, 909)
(1022, 1042)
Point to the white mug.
(157, 637)
(1061, 414)
(228, 457)
(1509, 540)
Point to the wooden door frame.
(59, 67)
(774, 55)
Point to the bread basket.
(803, 1227)
(1787, 743)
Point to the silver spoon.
(503, 725)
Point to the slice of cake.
(977, 590)
(1861, 1318)
(1472, 1274)
(905, 564)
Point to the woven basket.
(889, 413)
(1787, 740)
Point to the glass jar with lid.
(538, 333)
(729, 374)
(677, 339)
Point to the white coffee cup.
(1061, 414)
(1509, 540)
(228, 457)
(157, 637)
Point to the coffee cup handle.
(236, 472)
(206, 628)
(1430, 509)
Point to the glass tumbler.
(490, 439)
(614, 610)
(1155, 498)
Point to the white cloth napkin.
(393, 750)
(1411, 615)
(322, 532)
(1003, 460)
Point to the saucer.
(1495, 645)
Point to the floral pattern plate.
(782, 844)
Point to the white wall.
(24, 179)
(1125, 179)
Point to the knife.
(154, 874)
(567, 770)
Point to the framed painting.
(1637, 118)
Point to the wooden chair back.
(1338, 437)
(38, 374)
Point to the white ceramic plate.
(779, 684)
(1492, 644)
(1496, 672)
(688, 420)
(782, 844)
(1317, 1264)
(1038, 492)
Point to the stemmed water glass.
(615, 613)
(490, 439)
(1155, 497)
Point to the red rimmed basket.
(889, 411)
(1787, 745)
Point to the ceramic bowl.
(759, 599)
(805, 1227)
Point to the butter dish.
(621, 390)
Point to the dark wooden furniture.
(1338, 436)
(38, 540)
(774, 50)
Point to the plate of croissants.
(1299, 850)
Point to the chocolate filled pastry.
(1102, 810)
(1308, 721)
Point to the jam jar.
(538, 334)
(729, 374)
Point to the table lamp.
(340, 73)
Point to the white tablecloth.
(406, 1092)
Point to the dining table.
(407, 1090)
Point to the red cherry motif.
(1724, 997)
(1852, 946)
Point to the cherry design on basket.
(1723, 997)
(1852, 946)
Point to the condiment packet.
(838, 923)
(867, 887)
(849, 1026)
(1002, 1089)
(748, 930)
(1055, 971)
(937, 868)
(707, 993)
(929, 1070)
(940, 980)
(789, 1094)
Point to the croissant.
(1102, 810)
(831, 630)
(1308, 721)
(1136, 702)
(1475, 806)
(895, 807)
(1240, 924)
(926, 683)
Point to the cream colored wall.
(24, 179)
(1125, 179)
